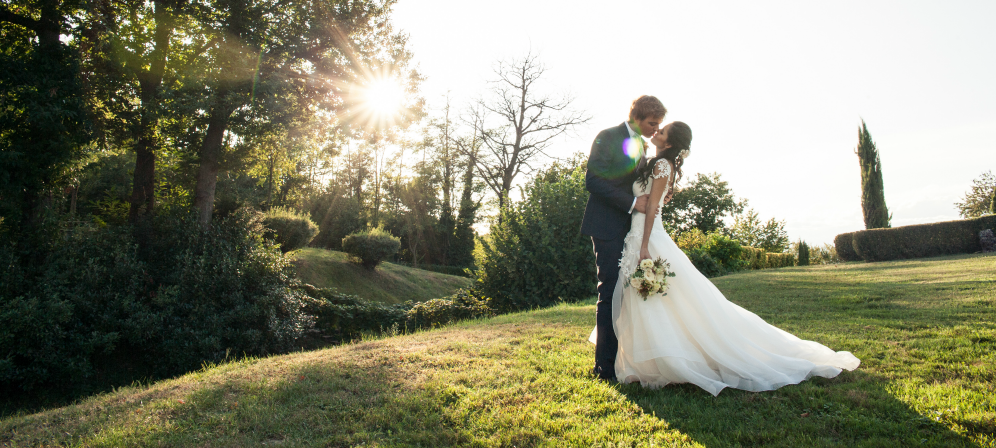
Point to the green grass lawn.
(389, 283)
(925, 331)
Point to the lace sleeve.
(662, 169)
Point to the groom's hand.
(641, 203)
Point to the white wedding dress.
(694, 335)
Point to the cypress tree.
(875, 212)
(803, 254)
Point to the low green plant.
(713, 254)
(371, 246)
(290, 228)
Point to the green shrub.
(714, 254)
(460, 306)
(779, 260)
(534, 255)
(370, 247)
(289, 228)
(705, 263)
(754, 258)
(921, 240)
(843, 243)
(826, 254)
(340, 317)
(338, 217)
(94, 306)
(803, 251)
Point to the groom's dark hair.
(646, 106)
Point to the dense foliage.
(99, 308)
(749, 230)
(290, 228)
(701, 205)
(535, 256)
(802, 249)
(981, 199)
(371, 246)
(713, 254)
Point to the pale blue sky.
(773, 91)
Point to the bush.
(843, 243)
(94, 306)
(921, 240)
(341, 317)
(371, 246)
(289, 228)
(705, 263)
(534, 255)
(754, 258)
(713, 254)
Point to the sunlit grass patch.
(924, 330)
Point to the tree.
(701, 205)
(279, 61)
(875, 212)
(979, 200)
(749, 230)
(526, 123)
(44, 131)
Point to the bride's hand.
(644, 254)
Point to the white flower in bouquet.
(651, 277)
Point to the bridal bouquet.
(651, 277)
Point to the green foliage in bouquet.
(289, 228)
(371, 246)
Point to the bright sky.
(773, 91)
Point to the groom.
(616, 154)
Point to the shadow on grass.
(854, 409)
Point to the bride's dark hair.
(679, 137)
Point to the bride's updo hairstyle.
(679, 137)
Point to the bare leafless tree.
(518, 122)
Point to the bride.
(693, 334)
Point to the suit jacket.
(612, 169)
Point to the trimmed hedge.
(845, 248)
(780, 260)
(921, 240)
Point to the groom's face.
(648, 126)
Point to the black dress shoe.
(604, 374)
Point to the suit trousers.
(607, 255)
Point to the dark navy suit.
(612, 169)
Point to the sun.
(384, 98)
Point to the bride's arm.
(662, 178)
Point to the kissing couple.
(688, 333)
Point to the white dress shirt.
(643, 146)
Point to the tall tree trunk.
(210, 154)
(143, 191)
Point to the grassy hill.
(389, 283)
(925, 331)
